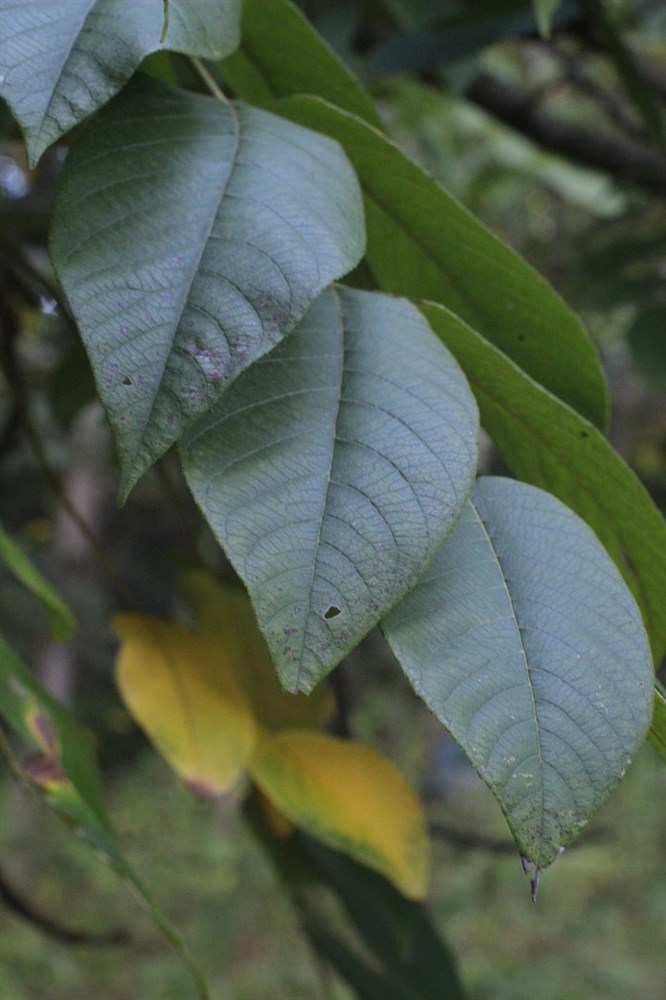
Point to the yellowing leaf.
(227, 611)
(351, 798)
(177, 684)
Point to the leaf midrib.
(516, 622)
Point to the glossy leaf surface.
(422, 243)
(351, 798)
(190, 236)
(524, 641)
(61, 61)
(547, 444)
(331, 471)
(264, 67)
(180, 687)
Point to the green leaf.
(60, 62)
(422, 243)
(64, 769)
(264, 67)
(189, 236)
(544, 11)
(524, 641)
(547, 444)
(331, 470)
(397, 930)
(658, 727)
(61, 619)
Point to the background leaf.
(351, 798)
(549, 445)
(422, 243)
(181, 689)
(189, 236)
(64, 769)
(60, 62)
(227, 611)
(264, 67)
(331, 470)
(60, 617)
(526, 644)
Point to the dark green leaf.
(399, 931)
(524, 641)
(332, 469)
(265, 67)
(60, 617)
(189, 236)
(63, 767)
(61, 61)
(422, 243)
(546, 443)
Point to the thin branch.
(623, 159)
(57, 932)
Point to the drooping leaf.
(190, 236)
(61, 61)
(400, 932)
(61, 619)
(181, 689)
(524, 641)
(422, 243)
(264, 67)
(227, 612)
(549, 445)
(331, 470)
(351, 798)
(63, 767)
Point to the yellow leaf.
(350, 797)
(227, 610)
(177, 684)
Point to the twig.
(620, 158)
(67, 935)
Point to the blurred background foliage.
(558, 145)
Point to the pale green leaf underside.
(331, 470)
(189, 237)
(548, 444)
(526, 644)
(61, 60)
(60, 617)
(423, 244)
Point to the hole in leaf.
(127, 380)
(331, 612)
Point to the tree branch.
(620, 158)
